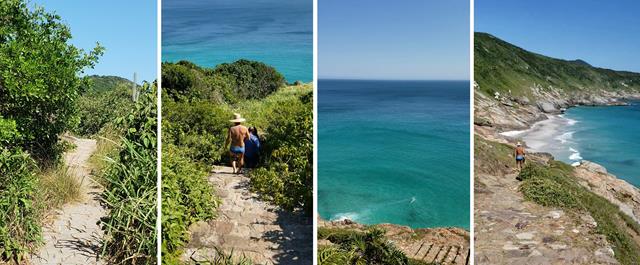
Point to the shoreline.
(350, 221)
(557, 127)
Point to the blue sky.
(409, 39)
(127, 29)
(603, 33)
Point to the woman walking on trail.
(520, 155)
(236, 136)
(252, 148)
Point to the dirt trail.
(74, 236)
(510, 230)
(250, 227)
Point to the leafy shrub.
(130, 194)
(102, 105)
(19, 218)
(39, 76)
(547, 192)
(187, 198)
(198, 128)
(184, 81)
(355, 247)
(287, 175)
(253, 79)
(176, 79)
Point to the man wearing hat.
(236, 137)
(519, 154)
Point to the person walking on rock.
(238, 133)
(520, 155)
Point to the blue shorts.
(237, 150)
(519, 158)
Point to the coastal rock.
(619, 192)
(593, 167)
(547, 107)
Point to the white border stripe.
(159, 133)
(471, 136)
(315, 131)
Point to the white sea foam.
(513, 133)
(344, 216)
(575, 155)
(565, 137)
(571, 122)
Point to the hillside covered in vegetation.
(502, 67)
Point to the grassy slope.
(554, 185)
(500, 66)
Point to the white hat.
(518, 144)
(237, 118)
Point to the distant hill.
(502, 67)
(101, 83)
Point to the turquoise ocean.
(276, 32)
(394, 152)
(607, 135)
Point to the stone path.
(74, 236)
(250, 227)
(510, 230)
(438, 253)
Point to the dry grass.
(58, 186)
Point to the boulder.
(547, 107)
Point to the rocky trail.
(73, 236)
(510, 230)
(250, 227)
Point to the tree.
(39, 76)
(253, 79)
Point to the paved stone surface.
(250, 227)
(74, 236)
(510, 230)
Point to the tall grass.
(20, 227)
(130, 189)
(58, 186)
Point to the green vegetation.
(106, 99)
(359, 247)
(39, 86)
(492, 157)
(130, 189)
(502, 67)
(187, 197)
(39, 80)
(20, 226)
(554, 185)
(197, 105)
